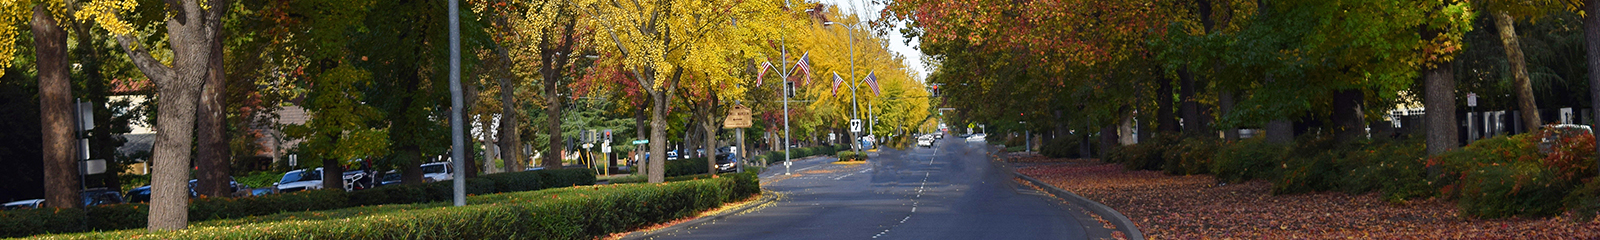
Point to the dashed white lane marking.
(842, 177)
(914, 202)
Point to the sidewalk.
(1190, 207)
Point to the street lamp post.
(855, 141)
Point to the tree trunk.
(1519, 69)
(1349, 122)
(470, 159)
(411, 170)
(510, 138)
(61, 180)
(1225, 104)
(658, 136)
(332, 173)
(639, 133)
(1166, 123)
(709, 123)
(211, 132)
(1108, 139)
(1440, 101)
(1192, 125)
(190, 33)
(1280, 131)
(1592, 47)
(1591, 39)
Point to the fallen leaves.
(1197, 206)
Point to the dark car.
(390, 177)
(91, 197)
(142, 194)
(727, 162)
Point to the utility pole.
(457, 147)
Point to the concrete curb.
(1116, 218)
(765, 198)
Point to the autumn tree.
(660, 42)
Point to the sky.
(897, 42)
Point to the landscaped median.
(583, 212)
(20, 223)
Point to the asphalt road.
(951, 191)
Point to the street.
(951, 191)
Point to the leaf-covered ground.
(1191, 207)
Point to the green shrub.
(519, 181)
(687, 166)
(1308, 174)
(259, 178)
(1584, 202)
(206, 208)
(565, 178)
(1394, 168)
(1145, 155)
(1248, 160)
(1189, 156)
(584, 213)
(20, 223)
(1062, 147)
(1517, 189)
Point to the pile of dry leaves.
(1188, 207)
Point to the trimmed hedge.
(847, 155)
(1529, 175)
(687, 166)
(777, 156)
(574, 213)
(21, 223)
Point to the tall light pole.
(855, 114)
(456, 145)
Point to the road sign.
(605, 148)
(588, 145)
(738, 117)
(92, 166)
(855, 125)
(1472, 99)
(640, 141)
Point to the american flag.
(805, 66)
(836, 81)
(764, 67)
(872, 80)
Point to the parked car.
(300, 180)
(390, 177)
(101, 196)
(24, 204)
(436, 171)
(142, 194)
(727, 162)
(91, 197)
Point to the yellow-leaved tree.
(900, 102)
(663, 43)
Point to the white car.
(925, 141)
(24, 204)
(300, 180)
(437, 171)
(976, 137)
